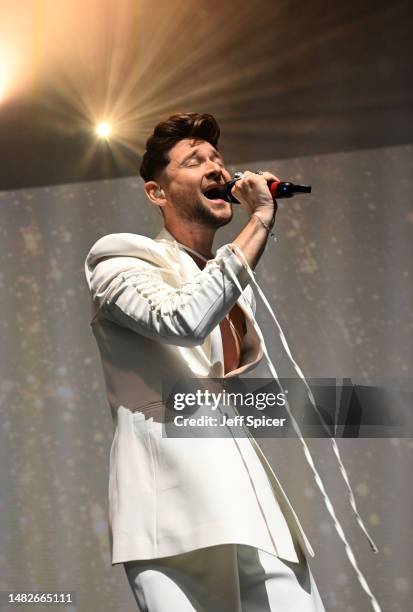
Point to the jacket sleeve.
(139, 295)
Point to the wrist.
(267, 216)
(266, 226)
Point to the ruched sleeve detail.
(152, 301)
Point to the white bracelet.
(266, 226)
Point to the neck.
(197, 238)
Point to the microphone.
(278, 189)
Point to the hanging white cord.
(311, 398)
(329, 505)
(301, 375)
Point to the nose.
(214, 171)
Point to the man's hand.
(253, 194)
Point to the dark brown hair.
(167, 133)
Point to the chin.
(221, 210)
(224, 219)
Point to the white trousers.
(225, 578)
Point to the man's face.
(194, 167)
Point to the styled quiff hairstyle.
(167, 133)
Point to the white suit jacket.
(156, 313)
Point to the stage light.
(103, 129)
(4, 80)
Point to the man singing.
(200, 524)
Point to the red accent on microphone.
(273, 186)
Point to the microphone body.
(278, 189)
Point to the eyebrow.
(195, 152)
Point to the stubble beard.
(201, 215)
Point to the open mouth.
(214, 194)
(215, 200)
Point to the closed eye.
(193, 161)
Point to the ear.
(155, 193)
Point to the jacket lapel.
(212, 347)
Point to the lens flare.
(103, 129)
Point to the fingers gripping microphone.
(278, 189)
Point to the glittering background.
(339, 279)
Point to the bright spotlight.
(103, 129)
(4, 80)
